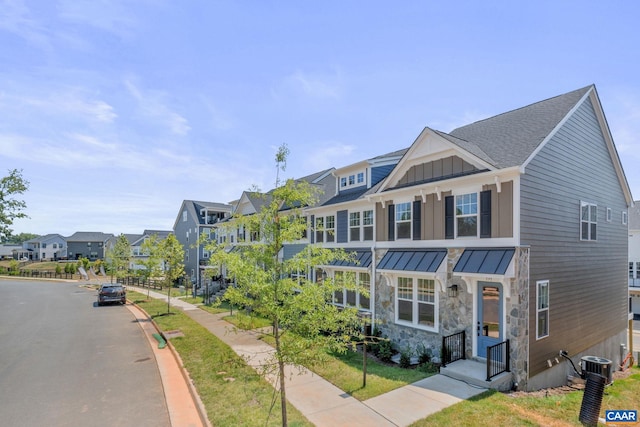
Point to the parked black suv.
(112, 292)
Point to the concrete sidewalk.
(321, 402)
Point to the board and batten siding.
(587, 279)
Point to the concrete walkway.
(321, 402)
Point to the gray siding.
(588, 290)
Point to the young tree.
(173, 257)
(119, 257)
(10, 207)
(303, 318)
(152, 250)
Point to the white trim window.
(467, 215)
(367, 225)
(319, 229)
(624, 217)
(361, 226)
(416, 302)
(354, 226)
(588, 221)
(542, 309)
(330, 228)
(352, 180)
(608, 214)
(349, 297)
(403, 220)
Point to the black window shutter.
(485, 214)
(391, 210)
(417, 204)
(312, 233)
(449, 232)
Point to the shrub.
(424, 354)
(385, 350)
(405, 357)
(428, 368)
(58, 269)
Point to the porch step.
(474, 372)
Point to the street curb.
(202, 413)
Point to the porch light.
(452, 291)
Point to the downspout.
(372, 298)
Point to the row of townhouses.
(513, 229)
(82, 244)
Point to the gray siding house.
(508, 235)
(195, 218)
(50, 247)
(88, 244)
(136, 241)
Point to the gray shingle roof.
(509, 139)
(89, 236)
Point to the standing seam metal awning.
(426, 261)
(362, 259)
(484, 261)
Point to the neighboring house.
(252, 202)
(634, 257)
(136, 241)
(10, 251)
(88, 244)
(50, 247)
(512, 229)
(194, 219)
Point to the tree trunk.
(281, 375)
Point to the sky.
(117, 110)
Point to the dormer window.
(352, 180)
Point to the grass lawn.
(345, 372)
(494, 409)
(232, 392)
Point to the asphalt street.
(64, 361)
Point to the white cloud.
(311, 85)
(329, 154)
(152, 104)
(112, 16)
(17, 18)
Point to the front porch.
(494, 372)
(474, 372)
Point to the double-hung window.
(360, 177)
(358, 297)
(319, 229)
(403, 220)
(467, 215)
(354, 226)
(588, 221)
(416, 302)
(367, 225)
(542, 309)
(330, 228)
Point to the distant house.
(507, 237)
(136, 241)
(88, 244)
(634, 256)
(10, 251)
(195, 218)
(50, 247)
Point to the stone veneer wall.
(517, 327)
(455, 313)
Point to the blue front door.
(489, 323)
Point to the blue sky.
(116, 111)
